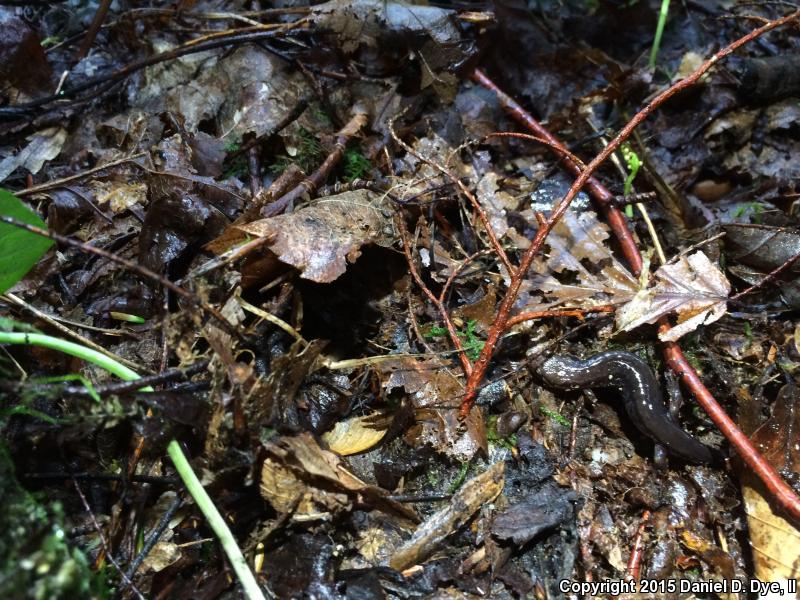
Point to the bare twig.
(767, 278)
(136, 268)
(318, 177)
(675, 358)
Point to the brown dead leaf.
(42, 146)
(775, 541)
(692, 287)
(367, 21)
(356, 434)
(495, 202)
(322, 238)
(476, 492)
(435, 391)
(577, 241)
(120, 196)
(301, 477)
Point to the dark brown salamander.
(640, 392)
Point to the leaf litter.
(263, 175)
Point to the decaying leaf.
(322, 238)
(578, 239)
(120, 196)
(42, 146)
(434, 391)
(355, 434)
(465, 502)
(367, 21)
(300, 477)
(692, 287)
(775, 540)
(523, 521)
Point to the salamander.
(641, 395)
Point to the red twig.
(556, 312)
(451, 330)
(555, 146)
(782, 493)
(614, 216)
(457, 271)
(633, 570)
(495, 243)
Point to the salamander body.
(641, 395)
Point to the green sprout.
(121, 316)
(472, 344)
(356, 165)
(662, 20)
(633, 163)
(556, 416)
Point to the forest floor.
(344, 247)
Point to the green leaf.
(19, 249)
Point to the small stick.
(633, 570)
(97, 22)
(767, 278)
(136, 268)
(152, 540)
(318, 177)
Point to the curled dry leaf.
(476, 492)
(322, 238)
(692, 287)
(355, 434)
(300, 477)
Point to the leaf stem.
(204, 503)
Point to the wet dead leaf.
(577, 242)
(775, 541)
(476, 492)
(367, 21)
(523, 521)
(300, 477)
(322, 238)
(434, 391)
(692, 287)
(120, 196)
(42, 146)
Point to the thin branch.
(767, 278)
(131, 266)
(495, 243)
(451, 330)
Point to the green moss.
(356, 165)
(557, 417)
(507, 442)
(310, 154)
(35, 559)
(472, 344)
